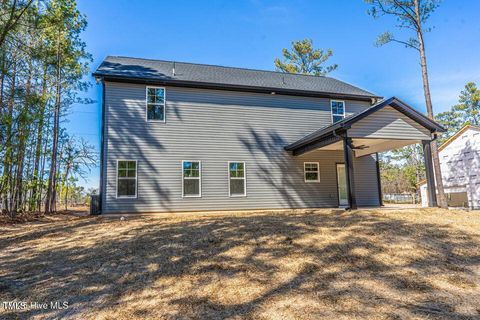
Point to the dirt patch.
(375, 264)
(23, 217)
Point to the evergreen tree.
(467, 111)
(304, 59)
(412, 15)
(42, 63)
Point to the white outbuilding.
(460, 165)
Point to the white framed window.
(126, 178)
(311, 171)
(191, 178)
(155, 104)
(237, 181)
(338, 110)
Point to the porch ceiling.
(363, 146)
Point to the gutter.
(102, 145)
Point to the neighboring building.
(188, 137)
(460, 165)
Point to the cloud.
(271, 14)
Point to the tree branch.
(409, 45)
(409, 15)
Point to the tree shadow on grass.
(334, 257)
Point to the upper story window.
(126, 178)
(156, 104)
(338, 110)
(236, 179)
(192, 178)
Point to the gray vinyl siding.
(214, 127)
(366, 183)
(388, 123)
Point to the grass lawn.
(385, 264)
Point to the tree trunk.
(6, 188)
(35, 200)
(66, 193)
(23, 132)
(43, 159)
(52, 178)
(50, 202)
(28, 177)
(428, 101)
(2, 78)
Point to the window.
(126, 178)
(338, 110)
(311, 171)
(155, 104)
(236, 179)
(191, 184)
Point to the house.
(194, 137)
(460, 166)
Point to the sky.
(252, 33)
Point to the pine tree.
(304, 59)
(413, 15)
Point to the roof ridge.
(117, 65)
(239, 68)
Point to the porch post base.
(348, 154)
(431, 190)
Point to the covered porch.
(387, 125)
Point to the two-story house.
(193, 137)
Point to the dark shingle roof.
(124, 68)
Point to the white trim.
(136, 180)
(345, 203)
(337, 114)
(193, 178)
(164, 104)
(305, 172)
(236, 178)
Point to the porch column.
(348, 155)
(427, 154)
(379, 180)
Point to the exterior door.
(342, 185)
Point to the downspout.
(102, 146)
(379, 181)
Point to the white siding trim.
(344, 108)
(193, 178)
(244, 179)
(164, 104)
(136, 180)
(305, 172)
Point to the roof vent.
(173, 69)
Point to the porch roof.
(386, 125)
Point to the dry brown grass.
(414, 264)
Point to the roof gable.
(389, 123)
(457, 135)
(347, 123)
